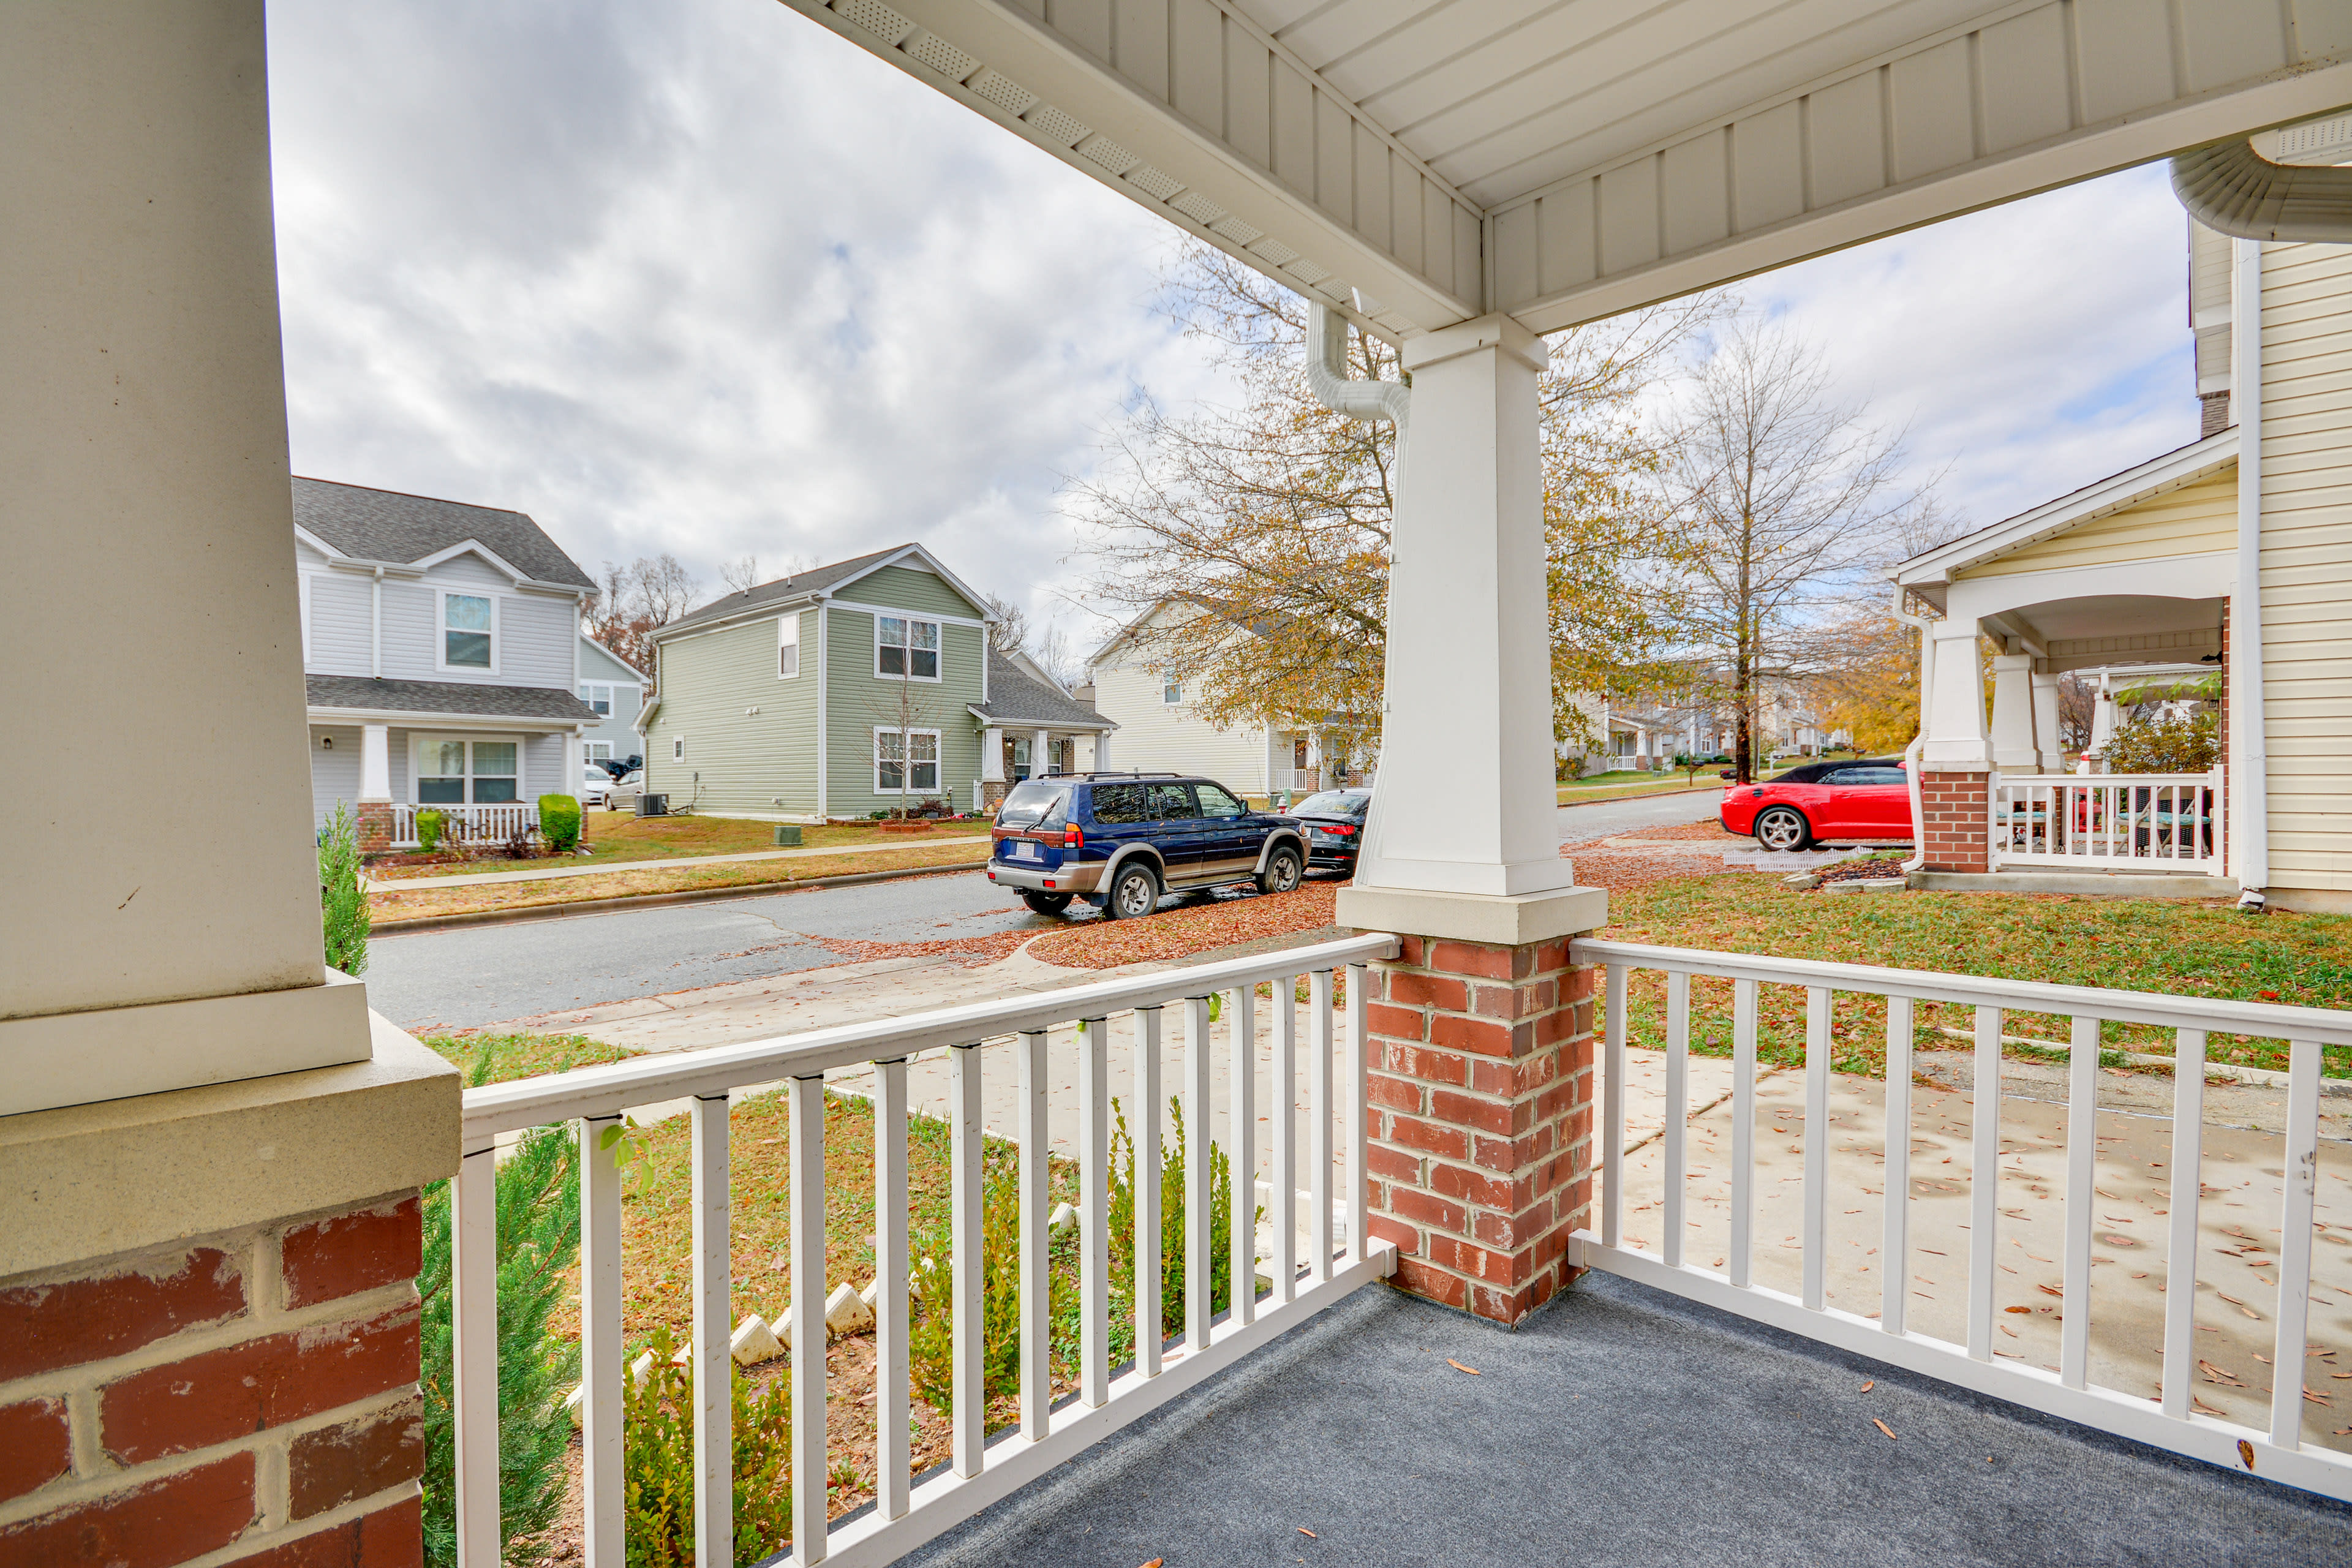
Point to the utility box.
(653, 806)
(788, 835)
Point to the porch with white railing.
(1308, 1155)
(2144, 822)
(465, 823)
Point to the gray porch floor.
(1623, 1425)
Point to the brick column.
(372, 824)
(252, 1393)
(1954, 834)
(1481, 1064)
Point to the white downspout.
(1327, 375)
(2246, 601)
(376, 625)
(1918, 742)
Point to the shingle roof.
(368, 694)
(385, 525)
(1017, 698)
(799, 586)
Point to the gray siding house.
(616, 689)
(860, 687)
(441, 647)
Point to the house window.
(904, 647)
(600, 751)
(1021, 758)
(678, 749)
(788, 647)
(469, 632)
(454, 772)
(906, 762)
(598, 695)
(1171, 693)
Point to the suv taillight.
(1074, 838)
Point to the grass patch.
(621, 838)
(1629, 784)
(411, 901)
(524, 1056)
(2131, 944)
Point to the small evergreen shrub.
(930, 1345)
(657, 1463)
(2171, 745)
(343, 903)
(428, 830)
(1171, 1230)
(559, 823)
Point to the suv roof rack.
(1123, 773)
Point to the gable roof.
(1017, 698)
(819, 583)
(388, 526)
(1930, 572)
(591, 645)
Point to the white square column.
(1954, 722)
(376, 764)
(1466, 803)
(2045, 723)
(2015, 747)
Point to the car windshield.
(1031, 803)
(1335, 803)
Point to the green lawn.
(1627, 784)
(2136, 944)
(612, 838)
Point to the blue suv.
(1120, 840)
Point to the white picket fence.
(2279, 1453)
(2168, 822)
(475, 824)
(905, 1515)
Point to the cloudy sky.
(697, 276)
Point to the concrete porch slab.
(2086, 884)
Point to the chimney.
(2215, 417)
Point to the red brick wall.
(252, 1393)
(1480, 1062)
(1953, 805)
(372, 827)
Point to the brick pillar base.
(992, 793)
(1955, 830)
(1481, 1068)
(250, 1393)
(374, 825)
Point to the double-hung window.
(598, 694)
(906, 762)
(470, 631)
(1171, 692)
(906, 647)
(788, 647)
(452, 772)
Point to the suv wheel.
(1283, 871)
(1046, 903)
(1783, 827)
(1134, 892)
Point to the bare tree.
(1787, 499)
(741, 574)
(638, 599)
(1011, 632)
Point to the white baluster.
(1893, 1285)
(2187, 1190)
(1677, 1113)
(474, 1355)
(2301, 1197)
(1352, 1105)
(1241, 1098)
(1284, 1105)
(1149, 1330)
(891, 1401)
(713, 1362)
(1094, 1214)
(2081, 1176)
(1984, 1181)
(1319, 1112)
(1199, 1241)
(805, 1109)
(971, 1413)
(1742, 1254)
(1817, 1144)
(1612, 1116)
(603, 1485)
(1036, 1240)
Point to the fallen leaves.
(1183, 933)
(1871, 1384)
(2246, 1453)
(1459, 1367)
(1309, 1533)
(1883, 1426)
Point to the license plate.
(1022, 850)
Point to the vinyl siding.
(340, 624)
(2307, 577)
(905, 587)
(859, 700)
(596, 663)
(2195, 520)
(335, 771)
(537, 632)
(747, 761)
(1152, 736)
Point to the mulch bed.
(1866, 870)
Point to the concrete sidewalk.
(598, 868)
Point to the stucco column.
(2015, 747)
(2045, 724)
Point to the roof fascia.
(409, 719)
(972, 597)
(679, 630)
(587, 641)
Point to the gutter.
(2234, 190)
(1326, 375)
(2254, 856)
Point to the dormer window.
(469, 630)
(906, 647)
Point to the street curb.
(654, 900)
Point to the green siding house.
(861, 686)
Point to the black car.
(1120, 840)
(1333, 822)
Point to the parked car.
(614, 768)
(1121, 841)
(1822, 801)
(1333, 822)
(596, 783)
(623, 796)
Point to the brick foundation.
(252, 1393)
(373, 823)
(1481, 1082)
(1954, 834)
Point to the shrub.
(428, 830)
(559, 822)
(343, 903)
(2189, 745)
(1171, 1230)
(538, 1246)
(930, 1343)
(657, 1463)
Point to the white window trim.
(678, 748)
(612, 698)
(589, 754)
(419, 740)
(912, 622)
(1168, 686)
(788, 635)
(441, 631)
(907, 766)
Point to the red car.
(1823, 801)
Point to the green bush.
(428, 830)
(931, 1345)
(559, 822)
(538, 1245)
(343, 903)
(2189, 745)
(657, 1463)
(1171, 1231)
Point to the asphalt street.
(483, 974)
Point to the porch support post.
(1041, 754)
(2045, 724)
(2103, 715)
(1102, 750)
(373, 809)
(1955, 754)
(2015, 746)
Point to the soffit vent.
(1055, 126)
(1002, 91)
(876, 18)
(1102, 150)
(1307, 271)
(1274, 253)
(1152, 183)
(1198, 207)
(940, 56)
(2320, 142)
(1237, 231)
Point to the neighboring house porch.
(480, 755)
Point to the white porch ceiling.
(1567, 159)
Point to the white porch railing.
(473, 824)
(2168, 1422)
(905, 1516)
(2170, 822)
